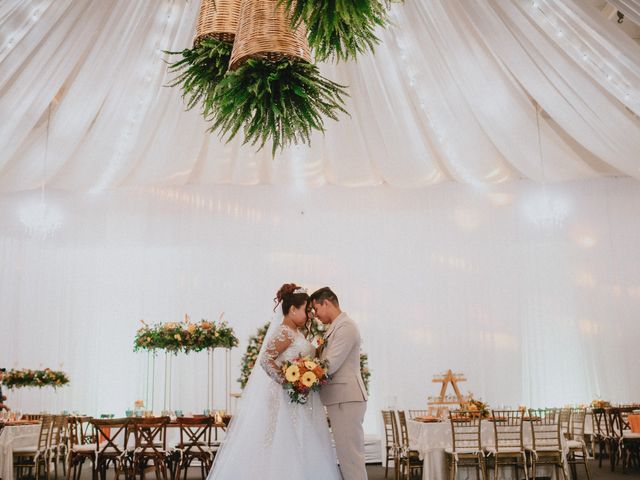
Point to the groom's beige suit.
(345, 395)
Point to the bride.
(270, 437)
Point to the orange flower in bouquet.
(302, 376)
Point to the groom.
(344, 396)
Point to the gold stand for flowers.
(439, 405)
(211, 390)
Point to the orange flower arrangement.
(304, 375)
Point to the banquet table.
(431, 440)
(14, 437)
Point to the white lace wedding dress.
(270, 437)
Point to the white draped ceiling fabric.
(113, 209)
(452, 93)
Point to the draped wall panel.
(533, 291)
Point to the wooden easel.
(440, 405)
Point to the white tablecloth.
(23, 436)
(431, 440)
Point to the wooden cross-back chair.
(112, 446)
(151, 446)
(194, 445)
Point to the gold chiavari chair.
(56, 448)
(32, 416)
(391, 441)
(508, 449)
(410, 464)
(577, 454)
(466, 449)
(29, 459)
(565, 421)
(547, 441)
(417, 413)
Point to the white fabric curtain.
(532, 291)
(450, 94)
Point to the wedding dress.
(271, 438)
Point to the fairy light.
(125, 142)
(407, 52)
(577, 48)
(40, 218)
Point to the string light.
(577, 47)
(39, 218)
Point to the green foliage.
(282, 101)
(251, 355)
(199, 72)
(339, 28)
(34, 378)
(364, 370)
(184, 336)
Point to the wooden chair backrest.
(545, 429)
(507, 429)
(108, 431)
(465, 430)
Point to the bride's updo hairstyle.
(290, 295)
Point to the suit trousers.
(346, 426)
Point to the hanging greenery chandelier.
(250, 69)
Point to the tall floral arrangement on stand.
(35, 378)
(185, 336)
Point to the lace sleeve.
(278, 343)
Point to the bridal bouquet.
(303, 375)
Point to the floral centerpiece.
(600, 404)
(315, 332)
(477, 408)
(185, 336)
(35, 378)
(304, 375)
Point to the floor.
(376, 472)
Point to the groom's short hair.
(325, 293)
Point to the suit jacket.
(342, 351)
